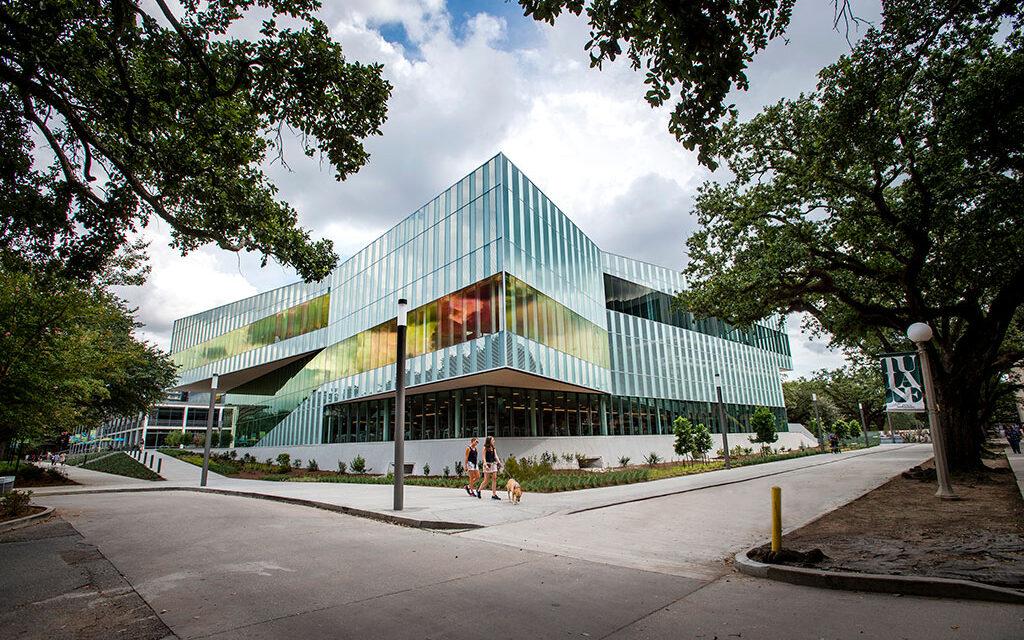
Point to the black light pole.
(209, 430)
(721, 419)
(863, 424)
(400, 409)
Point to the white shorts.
(470, 466)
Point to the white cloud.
(586, 137)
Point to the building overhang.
(503, 377)
(228, 381)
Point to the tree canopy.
(171, 110)
(68, 357)
(889, 195)
(692, 53)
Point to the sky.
(472, 78)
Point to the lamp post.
(817, 421)
(209, 430)
(863, 424)
(721, 418)
(920, 333)
(400, 407)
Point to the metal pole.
(721, 419)
(945, 489)
(400, 408)
(209, 430)
(863, 424)
(817, 421)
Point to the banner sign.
(904, 383)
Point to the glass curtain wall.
(534, 315)
(643, 302)
(458, 317)
(294, 321)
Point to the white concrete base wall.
(438, 454)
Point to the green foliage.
(215, 439)
(32, 475)
(14, 504)
(702, 442)
(652, 459)
(172, 112)
(762, 423)
(68, 357)
(682, 428)
(527, 468)
(358, 464)
(853, 429)
(426, 469)
(297, 463)
(447, 471)
(173, 439)
(199, 439)
(692, 53)
(459, 468)
(840, 429)
(311, 465)
(284, 461)
(623, 461)
(869, 224)
(342, 466)
(122, 464)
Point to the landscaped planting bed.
(536, 475)
(122, 464)
(30, 475)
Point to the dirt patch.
(901, 528)
(27, 511)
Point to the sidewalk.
(453, 505)
(1016, 461)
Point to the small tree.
(284, 461)
(839, 428)
(853, 428)
(683, 430)
(358, 464)
(172, 439)
(702, 442)
(342, 466)
(762, 423)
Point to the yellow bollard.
(776, 519)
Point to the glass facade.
(498, 279)
(295, 321)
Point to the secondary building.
(520, 326)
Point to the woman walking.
(472, 467)
(491, 466)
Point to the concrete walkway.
(1016, 461)
(873, 466)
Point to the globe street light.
(920, 333)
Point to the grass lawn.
(536, 480)
(122, 464)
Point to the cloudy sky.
(472, 78)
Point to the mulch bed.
(25, 512)
(902, 528)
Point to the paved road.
(225, 567)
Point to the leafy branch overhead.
(163, 109)
(691, 53)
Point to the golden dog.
(515, 492)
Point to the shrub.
(459, 468)
(215, 439)
(652, 459)
(283, 459)
(548, 458)
(568, 458)
(233, 454)
(446, 471)
(426, 469)
(297, 463)
(342, 466)
(199, 440)
(312, 465)
(527, 468)
(623, 461)
(15, 503)
(359, 464)
(762, 423)
(172, 439)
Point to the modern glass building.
(520, 326)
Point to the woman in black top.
(472, 466)
(491, 466)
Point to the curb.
(18, 523)
(302, 502)
(878, 583)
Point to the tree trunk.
(959, 410)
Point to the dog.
(515, 491)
